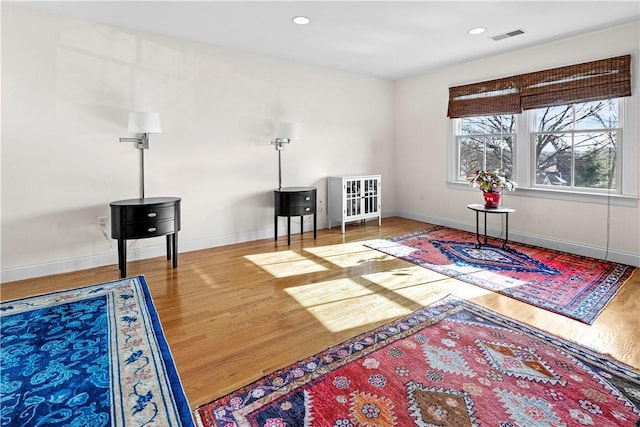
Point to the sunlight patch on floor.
(424, 286)
(285, 263)
(337, 249)
(497, 280)
(407, 276)
(331, 302)
(348, 254)
(402, 278)
(206, 277)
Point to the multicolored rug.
(571, 285)
(450, 364)
(93, 356)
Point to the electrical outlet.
(102, 222)
(320, 206)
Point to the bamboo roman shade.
(589, 81)
(486, 98)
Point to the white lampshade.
(143, 122)
(288, 131)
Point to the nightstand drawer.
(148, 213)
(303, 209)
(308, 198)
(140, 230)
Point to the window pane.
(586, 115)
(486, 142)
(508, 124)
(471, 156)
(499, 154)
(488, 125)
(476, 125)
(595, 155)
(597, 114)
(554, 119)
(553, 159)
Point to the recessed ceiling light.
(301, 20)
(477, 30)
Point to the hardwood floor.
(235, 313)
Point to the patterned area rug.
(93, 356)
(571, 285)
(450, 364)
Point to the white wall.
(421, 154)
(67, 88)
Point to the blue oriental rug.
(92, 356)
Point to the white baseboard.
(134, 254)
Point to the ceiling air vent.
(507, 35)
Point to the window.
(576, 145)
(485, 142)
(568, 132)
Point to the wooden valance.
(589, 81)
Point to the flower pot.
(491, 199)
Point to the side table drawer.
(307, 197)
(305, 209)
(140, 230)
(148, 213)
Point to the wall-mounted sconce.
(286, 133)
(142, 124)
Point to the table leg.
(485, 228)
(301, 225)
(506, 231)
(288, 230)
(168, 246)
(174, 241)
(275, 227)
(478, 229)
(314, 226)
(122, 257)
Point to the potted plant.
(491, 182)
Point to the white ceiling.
(387, 39)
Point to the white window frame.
(524, 167)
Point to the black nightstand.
(143, 218)
(294, 201)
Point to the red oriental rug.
(570, 285)
(453, 363)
